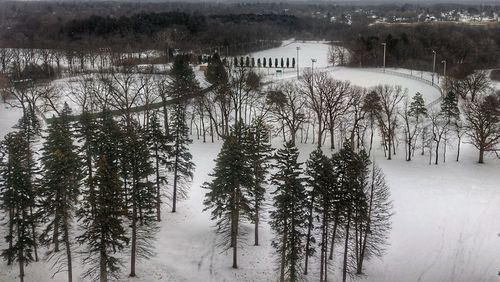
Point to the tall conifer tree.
(289, 219)
(229, 196)
(59, 191)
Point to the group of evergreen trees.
(340, 201)
(238, 188)
(107, 172)
(263, 62)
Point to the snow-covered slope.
(445, 221)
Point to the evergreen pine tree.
(182, 84)
(417, 106)
(449, 107)
(229, 194)
(324, 194)
(17, 199)
(161, 150)
(30, 125)
(451, 114)
(182, 165)
(372, 108)
(142, 194)
(216, 73)
(289, 219)
(350, 170)
(419, 112)
(59, 191)
(87, 131)
(258, 152)
(102, 215)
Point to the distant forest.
(242, 28)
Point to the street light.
(433, 65)
(298, 48)
(385, 48)
(312, 66)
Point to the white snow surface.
(445, 223)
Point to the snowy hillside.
(445, 225)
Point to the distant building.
(203, 67)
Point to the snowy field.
(308, 51)
(445, 226)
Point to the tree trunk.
(293, 136)
(458, 148)
(256, 227)
(283, 255)
(423, 142)
(103, 267)
(368, 224)
(33, 230)
(346, 247)
(234, 231)
(55, 237)
(323, 251)
(204, 132)
(211, 130)
(20, 255)
(158, 188)
(332, 135)
(437, 153)
(68, 247)
(326, 251)
(333, 237)
(371, 139)
(176, 174)
(134, 239)
(389, 141)
(481, 156)
(320, 131)
(444, 148)
(21, 268)
(308, 239)
(11, 232)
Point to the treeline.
(138, 24)
(465, 48)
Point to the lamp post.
(433, 65)
(444, 75)
(385, 49)
(312, 66)
(298, 48)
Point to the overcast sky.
(366, 2)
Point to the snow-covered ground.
(308, 51)
(445, 226)
(8, 117)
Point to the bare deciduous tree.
(482, 123)
(287, 105)
(390, 96)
